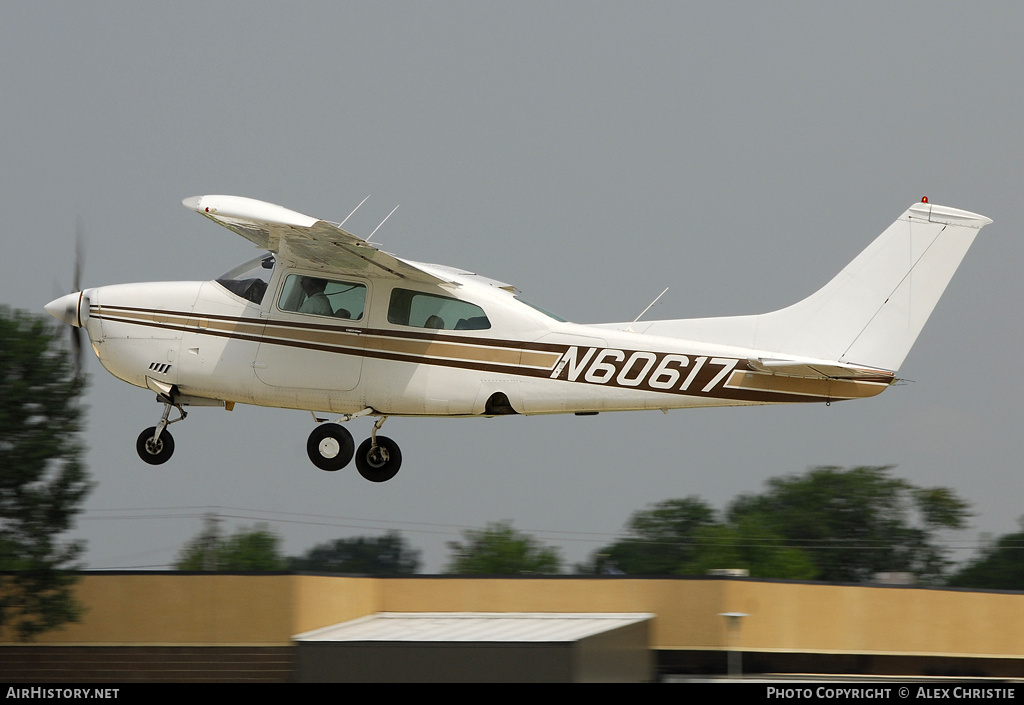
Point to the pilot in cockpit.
(316, 300)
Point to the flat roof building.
(239, 627)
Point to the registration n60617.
(639, 369)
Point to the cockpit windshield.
(249, 280)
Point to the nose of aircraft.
(66, 309)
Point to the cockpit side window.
(323, 297)
(415, 308)
(249, 280)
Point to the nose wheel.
(155, 450)
(155, 445)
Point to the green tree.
(366, 555)
(660, 541)
(254, 549)
(684, 537)
(748, 546)
(499, 549)
(858, 522)
(43, 481)
(1000, 565)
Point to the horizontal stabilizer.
(815, 370)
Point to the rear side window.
(420, 310)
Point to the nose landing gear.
(155, 445)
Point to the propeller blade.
(76, 348)
(79, 253)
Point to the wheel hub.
(329, 447)
(377, 456)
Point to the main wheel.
(330, 447)
(155, 452)
(378, 464)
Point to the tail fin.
(871, 313)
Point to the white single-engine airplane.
(326, 322)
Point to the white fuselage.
(211, 346)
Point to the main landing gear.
(330, 447)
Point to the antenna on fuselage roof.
(629, 328)
(382, 222)
(353, 211)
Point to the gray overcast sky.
(591, 153)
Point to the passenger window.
(323, 297)
(414, 308)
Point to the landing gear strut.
(378, 458)
(156, 445)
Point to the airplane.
(326, 322)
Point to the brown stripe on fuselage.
(483, 354)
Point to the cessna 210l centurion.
(326, 322)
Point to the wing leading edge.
(303, 239)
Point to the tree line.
(828, 524)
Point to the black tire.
(383, 463)
(155, 453)
(330, 447)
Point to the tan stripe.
(437, 349)
(540, 360)
(315, 335)
(201, 324)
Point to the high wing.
(305, 240)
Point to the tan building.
(163, 626)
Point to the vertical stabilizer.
(871, 313)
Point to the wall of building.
(266, 610)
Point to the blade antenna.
(629, 328)
(353, 211)
(382, 223)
